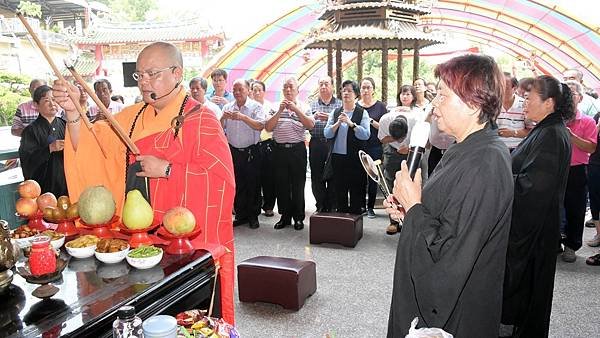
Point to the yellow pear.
(137, 212)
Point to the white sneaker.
(594, 242)
(569, 255)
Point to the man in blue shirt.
(219, 95)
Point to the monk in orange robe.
(187, 163)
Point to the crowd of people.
(510, 166)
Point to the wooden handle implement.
(114, 123)
(57, 73)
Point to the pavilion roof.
(105, 33)
(415, 8)
(372, 36)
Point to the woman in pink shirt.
(583, 138)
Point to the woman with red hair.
(451, 251)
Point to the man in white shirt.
(198, 86)
(588, 105)
(103, 90)
(242, 120)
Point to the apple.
(46, 200)
(29, 189)
(179, 221)
(26, 206)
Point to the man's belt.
(244, 150)
(288, 145)
(318, 139)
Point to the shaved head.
(167, 50)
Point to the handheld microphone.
(153, 95)
(418, 140)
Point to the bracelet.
(75, 121)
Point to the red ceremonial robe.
(201, 178)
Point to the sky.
(238, 18)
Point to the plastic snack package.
(425, 332)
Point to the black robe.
(36, 160)
(450, 259)
(540, 169)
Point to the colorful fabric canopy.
(519, 28)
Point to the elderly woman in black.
(540, 166)
(348, 129)
(42, 144)
(450, 262)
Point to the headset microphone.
(155, 98)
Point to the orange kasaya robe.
(201, 179)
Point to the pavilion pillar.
(384, 71)
(416, 61)
(338, 67)
(399, 68)
(359, 62)
(330, 59)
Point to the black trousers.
(594, 190)
(322, 190)
(392, 160)
(435, 155)
(376, 153)
(246, 167)
(575, 203)
(267, 173)
(349, 178)
(290, 178)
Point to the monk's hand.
(407, 191)
(152, 166)
(60, 93)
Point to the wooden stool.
(333, 227)
(284, 281)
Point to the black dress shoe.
(298, 225)
(254, 224)
(239, 222)
(282, 223)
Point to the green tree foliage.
(13, 91)
(130, 10)
(30, 9)
(372, 68)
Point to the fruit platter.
(197, 324)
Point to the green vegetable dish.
(144, 252)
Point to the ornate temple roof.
(104, 33)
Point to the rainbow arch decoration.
(519, 28)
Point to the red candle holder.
(101, 230)
(179, 244)
(66, 226)
(139, 237)
(35, 221)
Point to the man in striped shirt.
(288, 125)
(27, 111)
(512, 125)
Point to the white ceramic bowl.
(145, 263)
(84, 252)
(57, 243)
(111, 257)
(23, 243)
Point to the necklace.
(176, 123)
